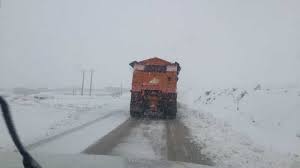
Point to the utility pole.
(121, 88)
(91, 82)
(82, 86)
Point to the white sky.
(46, 43)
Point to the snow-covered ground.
(43, 115)
(245, 127)
(235, 127)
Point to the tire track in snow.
(134, 138)
(150, 139)
(180, 147)
(52, 138)
(109, 141)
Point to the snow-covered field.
(245, 127)
(44, 115)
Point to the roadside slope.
(244, 128)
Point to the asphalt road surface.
(150, 139)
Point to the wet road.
(150, 139)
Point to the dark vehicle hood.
(13, 160)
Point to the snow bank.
(245, 128)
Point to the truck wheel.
(172, 110)
(136, 107)
(132, 114)
(172, 116)
(135, 114)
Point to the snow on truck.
(154, 88)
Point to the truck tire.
(132, 114)
(136, 105)
(172, 110)
(135, 111)
(133, 101)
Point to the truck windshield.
(210, 82)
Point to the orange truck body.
(154, 87)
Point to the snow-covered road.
(44, 119)
(150, 139)
(65, 133)
(77, 140)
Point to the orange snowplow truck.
(154, 88)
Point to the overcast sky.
(46, 43)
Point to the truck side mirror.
(132, 63)
(178, 67)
